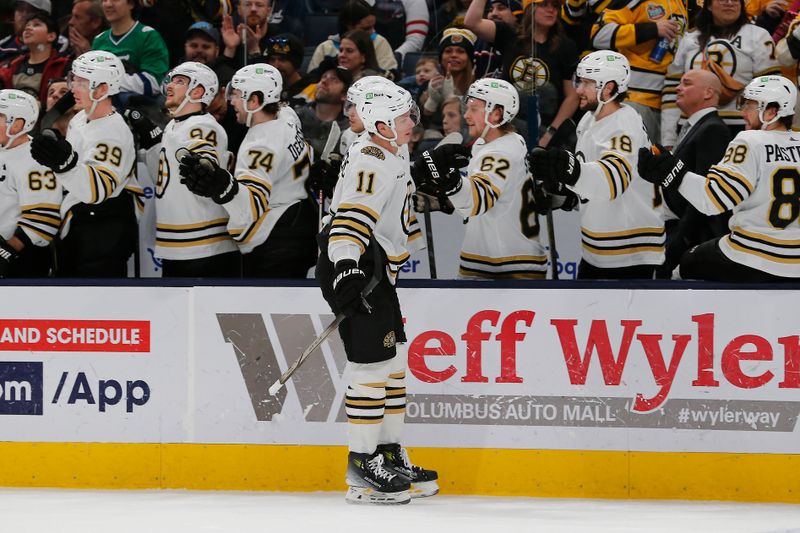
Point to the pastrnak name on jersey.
(776, 152)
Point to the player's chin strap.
(765, 123)
(488, 126)
(393, 140)
(11, 137)
(600, 101)
(251, 112)
(189, 100)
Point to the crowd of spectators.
(434, 48)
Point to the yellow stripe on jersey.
(359, 208)
(358, 227)
(612, 185)
(191, 242)
(638, 232)
(399, 259)
(504, 260)
(741, 247)
(623, 251)
(197, 226)
(787, 243)
(734, 196)
(335, 238)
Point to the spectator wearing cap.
(538, 58)
(328, 105)
(12, 45)
(488, 59)
(356, 15)
(456, 55)
(31, 71)
(202, 43)
(285, 53)
(85, 23)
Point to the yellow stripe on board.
(493, 472)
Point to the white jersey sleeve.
(106, 156)
(728, 183)
(487, 175)
(607, 172)
(365, 187)
(30, 198)
(271, 169)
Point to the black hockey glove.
(438, 170)
(661, 167)
(148, 132)
(204, 177)
(323, 175)
(437, 202)
(554, 166)
(52, 150)
(7, 256)
(348, 282)
(545, 201)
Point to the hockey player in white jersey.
(495, 192)
(94, 165)
(367, 239)
(30, 195)
(191, 235)
(758, 179)
(273, 220)
(622, 228)
(323, 174)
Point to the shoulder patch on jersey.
(374, 151)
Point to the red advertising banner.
(75, 335)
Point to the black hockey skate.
(423, 482)
(370, 482)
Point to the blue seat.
(325, 7)
(319, 27)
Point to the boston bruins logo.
(162, 176)
(720, 52)
(528, 72)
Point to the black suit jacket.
(703, 146)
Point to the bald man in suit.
(701, 143)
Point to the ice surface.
(174, 511)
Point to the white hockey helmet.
(358, 89)
(99, 67)
(256, 78)
(604, 66)
(199, 76)
(384, 102)
(771, 90)
(495, 93)
(15, 105)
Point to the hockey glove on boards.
(438, 170)
(7, 256)
(204, 177)
(52, 150)
(148, 132)
(348, 282)
(661, 167)
(555, 167)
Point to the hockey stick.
(551, 239)
(64, 104)
(450, 138)
(330, 144)
(275, 387)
